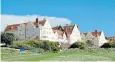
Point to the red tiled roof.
(42, 22)
(56, 28)
(67, 29)
(14, 26)
(94, 33)
(59, 32)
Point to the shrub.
(81, 45)
(49, 46)
(54, 46)
(31, 44)
(7, 38)
(108, 45)
(26, 44)
(112, 43)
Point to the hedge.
(110, 44)
(81, 45)
(31, 44)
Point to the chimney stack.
(36, 20)
(66, 24)
(96, 33)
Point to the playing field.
(68, 55)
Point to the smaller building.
(112, 38)
(71, 33)
(97, 38)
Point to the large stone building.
(40, 29)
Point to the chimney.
(66, 24)
(36, 20)
(96, 33)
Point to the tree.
(7, 38)
(60, 28)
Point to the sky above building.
(89, 15)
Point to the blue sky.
(90, 15)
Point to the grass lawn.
(69, 55)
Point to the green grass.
(69, 55)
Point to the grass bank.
(68, 55)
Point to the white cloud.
(16, 19)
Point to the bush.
(31, 44)
(110, 44)
(106, 45)
(7, 38)
(81, 45)
(14, 45)
(49, 46)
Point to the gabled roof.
(14, 26)
(67, 29)
(42, 22)
(59, 32)
(94, 33)
(56, 28)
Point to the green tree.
(81, 45)
(7, 38)
(60, 28)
